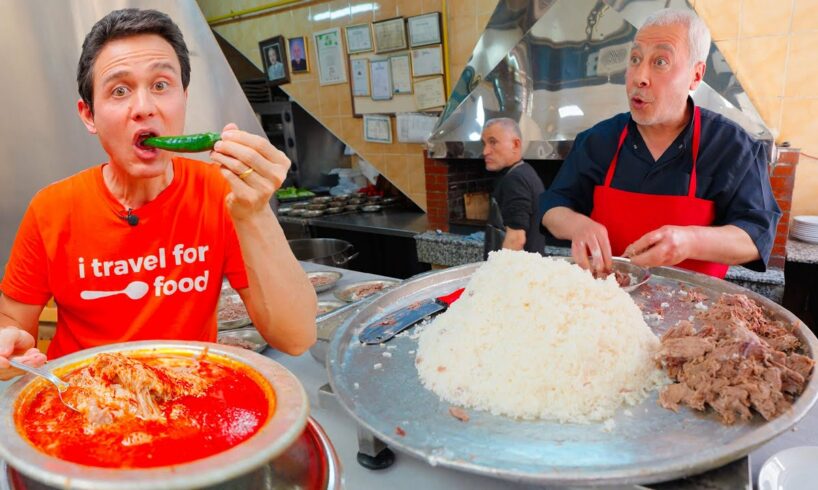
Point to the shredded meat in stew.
(114, 386)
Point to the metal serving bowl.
(330, 278)
(279, 432)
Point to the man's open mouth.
(139, 139)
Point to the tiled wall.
(771, 46)
(401, 163)
(768, 43)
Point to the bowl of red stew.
(152, 414)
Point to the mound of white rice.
(534, 337)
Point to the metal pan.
(323, 280)
(232, 312)
(647, 444)
(246, 338)
(360, 290)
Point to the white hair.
(698, 35)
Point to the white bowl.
(795, 468)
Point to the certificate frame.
(427, 61)
(423, 87)
(356, 43)
(381, 84)
(329, 57)
(359, 77)
(401, 84)
(375, 125)
(424, 29)
(390, 35)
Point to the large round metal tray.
(647, 443)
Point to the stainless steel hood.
(558, 67)
(41, 136)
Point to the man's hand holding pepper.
(254, 168)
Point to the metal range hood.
(557, 67)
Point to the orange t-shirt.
(74, 244)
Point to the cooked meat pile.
(114, 386)
(739, 359)
(232, 310)
(367, 290)
(320, 280)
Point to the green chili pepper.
(190, 143)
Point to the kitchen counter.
(802, 252)
(387, 222)
(450, 249)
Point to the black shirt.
(731, 170)
(517, 193)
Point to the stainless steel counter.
(388, 222)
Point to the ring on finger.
(246, 173)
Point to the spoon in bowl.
(61, 385)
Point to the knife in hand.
(396, 322)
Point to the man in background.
(513, 218)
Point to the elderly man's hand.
(667, 245)
(254, 168)
(591, 239)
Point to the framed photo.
(274, 57)
(359, 38)
(401, 74)
(424, 29)
(381, 76)
(377, 128)
(360, 77)
(298, 54)
(427, 61)
(390, 35)
(330, 57)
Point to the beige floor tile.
(765, 18)
(802, 67)
(761, 62)
(721, 16)
(799, 125)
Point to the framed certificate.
(360, 77)
(390, 35)
(330, 57)
(430, 93)
(427, 61)
(424, 29)
(359, 38)
(377, 128)
(381, 77)
(401, 74)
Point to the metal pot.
(327, 251)
(37, 470)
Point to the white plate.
(790, 469)
(807, 220)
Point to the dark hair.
(125, 23)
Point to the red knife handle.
(451, 297)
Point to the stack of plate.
(805, 228)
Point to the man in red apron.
(668, 183)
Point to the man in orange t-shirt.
(136, 248)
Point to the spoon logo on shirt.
(179, 255)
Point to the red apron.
(629, 215)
